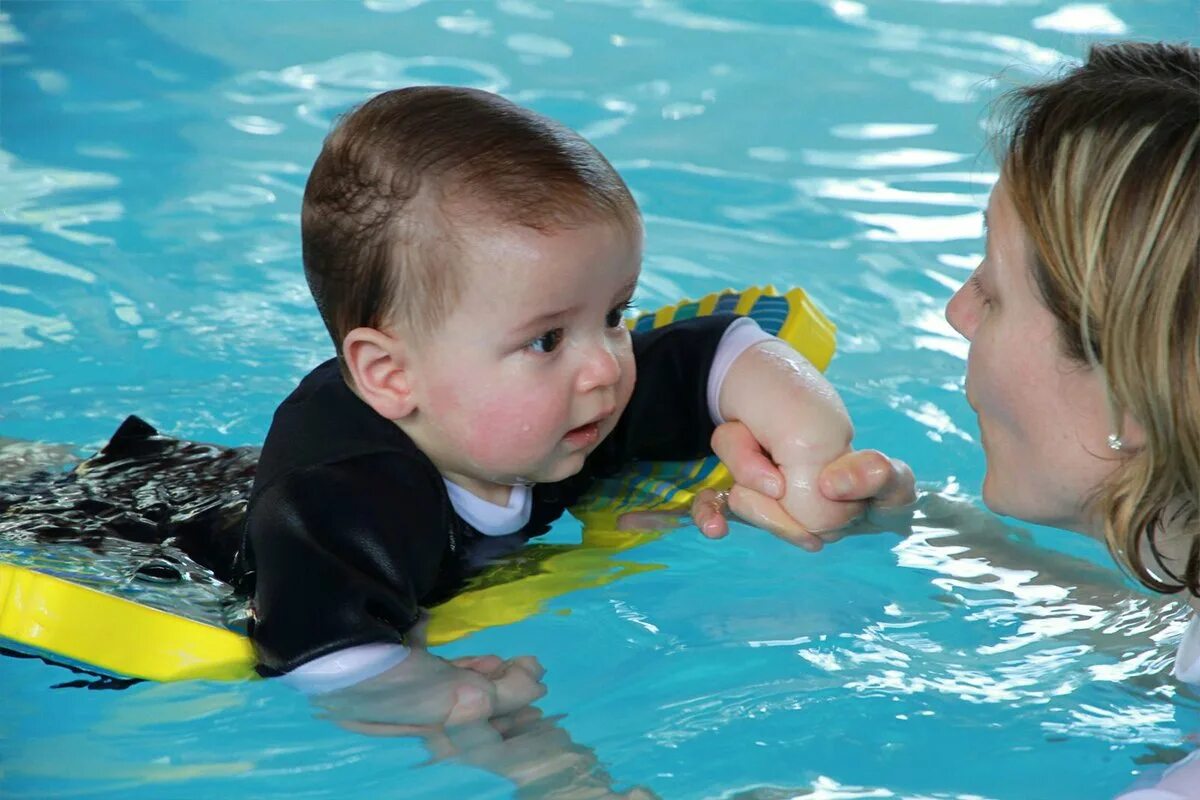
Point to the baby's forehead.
(468, 228)
(481, 207)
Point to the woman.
(1084, 324)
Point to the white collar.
(491, 519)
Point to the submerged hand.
(535, 753)
(424, 690)
(517, 742)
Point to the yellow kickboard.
(113, 634)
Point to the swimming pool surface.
(152, 159)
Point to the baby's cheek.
(503, 431)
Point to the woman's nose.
(962, 313)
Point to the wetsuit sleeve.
(342, 555)
(668, 417)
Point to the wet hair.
(398, 173)
(1103, 166)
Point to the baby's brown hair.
(397, 173)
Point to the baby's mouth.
(584, 435)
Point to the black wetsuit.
(141, 487)
(351, 530)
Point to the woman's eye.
(547, 342)
(616, 316)
(977, 288)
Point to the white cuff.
(739, 337)
(343, 668)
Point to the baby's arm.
(342, 557)
(798, 419)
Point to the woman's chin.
(1046, 510)
(999, 500)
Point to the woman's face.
(1043, 417)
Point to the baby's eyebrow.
(543, 320)
(629, 288)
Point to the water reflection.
(1083, 18)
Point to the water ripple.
(1082, 18)
(865, 159)
(912, 228)
(468, 24)
(538, 47)
(318, 90)
(16, 252)
(23, 188)
(524, 8)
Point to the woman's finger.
(708, 512)
(869, 475)
(766, 513)
(737, 448)
(753, 508)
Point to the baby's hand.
(424, 690)
(426, 697)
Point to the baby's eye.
(547, 342)
(616, 315)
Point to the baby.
(473, 262)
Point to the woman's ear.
(1132, 434)
(379, 366)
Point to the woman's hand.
(886, 484)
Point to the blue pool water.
(152, 159)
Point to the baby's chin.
(562, 466)
(565, 467)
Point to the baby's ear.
(378, 364)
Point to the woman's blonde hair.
(1103, 166)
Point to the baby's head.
(471, 260)
(401, 177)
